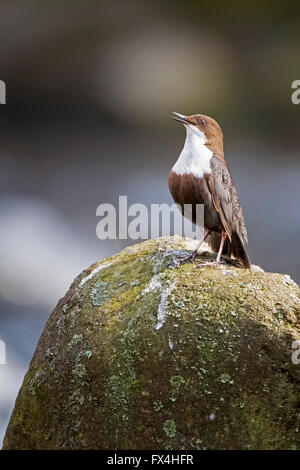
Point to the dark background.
(90, 87)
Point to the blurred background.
(90, 87)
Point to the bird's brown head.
(206, 128)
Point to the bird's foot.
(208, 264)
(191, 256)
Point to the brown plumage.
(201, 176)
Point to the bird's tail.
(235, 248)
(238, 250)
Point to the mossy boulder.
(144, 354)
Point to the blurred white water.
(40, 253)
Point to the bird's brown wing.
(227, 203)
(238, 223)
(219, 183)
(226, 200)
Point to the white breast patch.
(195, 156)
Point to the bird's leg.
(223, 238)
(194, 253)
(219, 255)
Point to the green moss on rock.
(141, 354)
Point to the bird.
(201, 176)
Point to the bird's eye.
(203, 121)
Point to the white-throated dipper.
(201, 176)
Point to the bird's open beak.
(180, 118)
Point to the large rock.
(140, 354)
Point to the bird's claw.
(208, 264)
(191, 256)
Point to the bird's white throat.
(195, 156)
